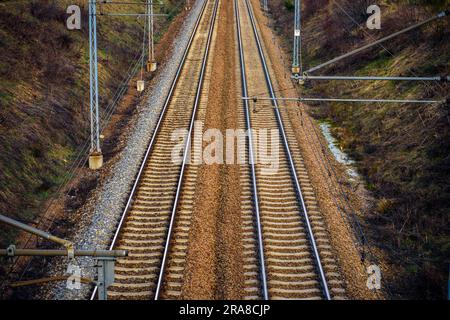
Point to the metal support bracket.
(11, 251)
(105, 276)
(70, 251)
(66, 243)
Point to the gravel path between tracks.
(341, 235)
(101, 215)
(214, 264)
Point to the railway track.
(286, 249)
(157, 209)
(286, 244)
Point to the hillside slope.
(44, 93)
(403, 151)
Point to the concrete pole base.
(95, 160)
(151, 66)
(140, 85)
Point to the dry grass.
(44, 94)
(403, 151)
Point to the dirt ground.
(214, 260)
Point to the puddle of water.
(338, 154)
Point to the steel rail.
(186, 152)
(317, 259)
(155, 134)
(251, 156)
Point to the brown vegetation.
(44, 104)
(402, 151)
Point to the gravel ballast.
(215, 262)
(102, 213)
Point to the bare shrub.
(350, 12)
(310, 7)
(46, 10)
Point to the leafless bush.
(65, 41)
(312, 6)
(46, 10)
(350, 11)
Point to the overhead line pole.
(297, 59)
(151, 63)
(438, 16)
(95, 156)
